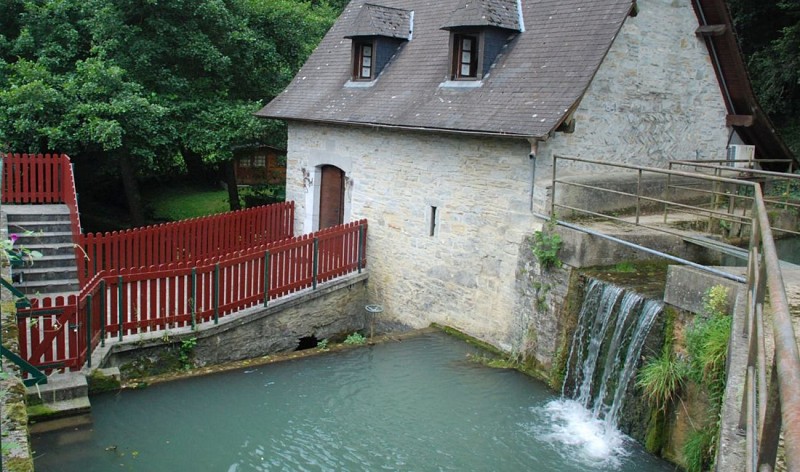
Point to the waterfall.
(613, 324)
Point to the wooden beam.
(744, 121)
(711, 30)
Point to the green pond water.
(413, 405)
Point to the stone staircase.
(44, 228)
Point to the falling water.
(613, 325)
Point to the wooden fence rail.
(35, 178)
(61, 333)
(185, 241)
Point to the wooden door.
(331, 197)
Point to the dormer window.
(363, 59)
(478, 31)
(465, 56)
(377, 33)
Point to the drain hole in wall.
(307, 342)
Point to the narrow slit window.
(433, 221)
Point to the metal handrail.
(766, 405)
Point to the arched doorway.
(331, 197)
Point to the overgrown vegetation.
(141, 88)
(355, 339)
(186, 353)
(769, 36)
(545, 246)
(662, 378)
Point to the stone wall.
(654, 99)
(449, 214)
(463, 275)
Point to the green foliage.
(625, 267)
(186, 352)
(257, 195)
(699, 450)
(323, 345)
(769, 35)
(136, 83)
(545, 247)
(661, 379)
(707, 346)
(355, 339)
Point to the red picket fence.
(41, 179)
(36, 178)
(186, 241)
(61, 334)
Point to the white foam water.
(578, 436)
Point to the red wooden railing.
(42, 179)
(186, 241)
(35, 178)
(61, 334)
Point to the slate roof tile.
(536, 79)
(377, 20)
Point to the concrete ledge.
(580, 249)
(686, 287)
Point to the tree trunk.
(230, 181)
(131, 187)
(198, 171)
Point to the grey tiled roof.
(499, 13)
(377, 20)
(535, 81)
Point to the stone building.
(438, 120)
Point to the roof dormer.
(377, 33)
(479, 29)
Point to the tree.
(769, 35)
(141, 82)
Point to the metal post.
(193, 300)
(119, 305)
(216, 293)
(360, 246)
(89, 331)
(638, 195)
(315, 261)
(666, 193)
(266, 279)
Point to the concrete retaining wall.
(334, 309)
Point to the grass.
(182, 201)
(661, 379)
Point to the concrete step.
(54, 249)
(59, 387)
(46, 287)
(20, 228)
(55, 261)
(46, 238)
(36, 274)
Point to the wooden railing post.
(103, 313)
(314, 262)
(266, 278)
(120, 314)
(193, 299)
(360, 246)
(216, 293)
(88, 329)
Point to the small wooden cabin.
(260, 165)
